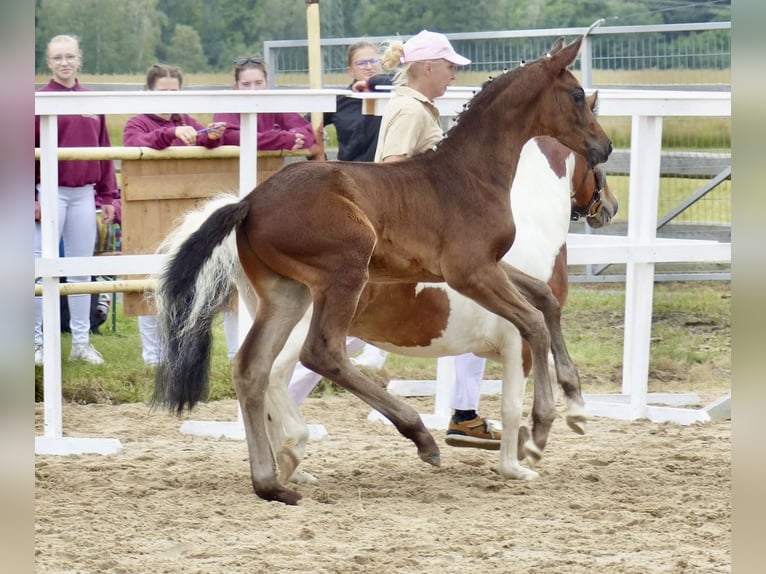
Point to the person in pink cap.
(426, 64)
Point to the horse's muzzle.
(599, 153)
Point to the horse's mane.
(483, 98)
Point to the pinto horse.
(318, 233)
(553, 185)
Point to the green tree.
(115, 36)
(185, 50)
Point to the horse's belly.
(425, 320)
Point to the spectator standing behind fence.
(357, 132)
(410, 125)
(78, 179)
(289, 131)
(159, 131)
(357, 140)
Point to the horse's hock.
(156, 192)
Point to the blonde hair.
(64, 38)
(392, 59)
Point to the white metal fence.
(640, 250)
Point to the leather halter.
(584, 210)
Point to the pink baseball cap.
(427, 45)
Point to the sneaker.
(475, 433)
(38, 354)
(86, 353)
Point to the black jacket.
(357, 133)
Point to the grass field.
(690, 348)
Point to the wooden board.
(155, 193)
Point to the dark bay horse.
(318, 233)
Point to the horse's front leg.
(491, 288)
(540, 295)
(511, 412)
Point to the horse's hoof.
(576, 423)
(283, 495)
(300, 476)
(527, 474)
(520, 473)
(433, 458)
(533, 452)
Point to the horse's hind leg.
(291, 432)
(539, 294)
(280, 307)
(324, 352)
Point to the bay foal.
(317, 234)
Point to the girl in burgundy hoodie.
(76, 201)
(159, 131)
(289, 131)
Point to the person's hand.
(317, 150)
(300, 140)
(360, 86)
(215, 130)
(37, 210)
(186, 134)
(107, 213)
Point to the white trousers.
(469, 371)
(151, 352)
(304, 380)
(77, 228)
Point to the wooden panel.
(155, 193)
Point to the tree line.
(128, 36)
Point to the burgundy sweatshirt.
(156, 132)
(275, 130)
(81, 131)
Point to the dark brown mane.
(484, 96)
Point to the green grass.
(714, 208)
(690, 349)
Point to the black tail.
(190, 291)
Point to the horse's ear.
(593, 101)
(565, 56)
(556, 45)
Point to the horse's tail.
(195, 285)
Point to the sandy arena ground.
(628, 497)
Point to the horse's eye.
(578, 96)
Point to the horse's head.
(593, 199)
(563, 110)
